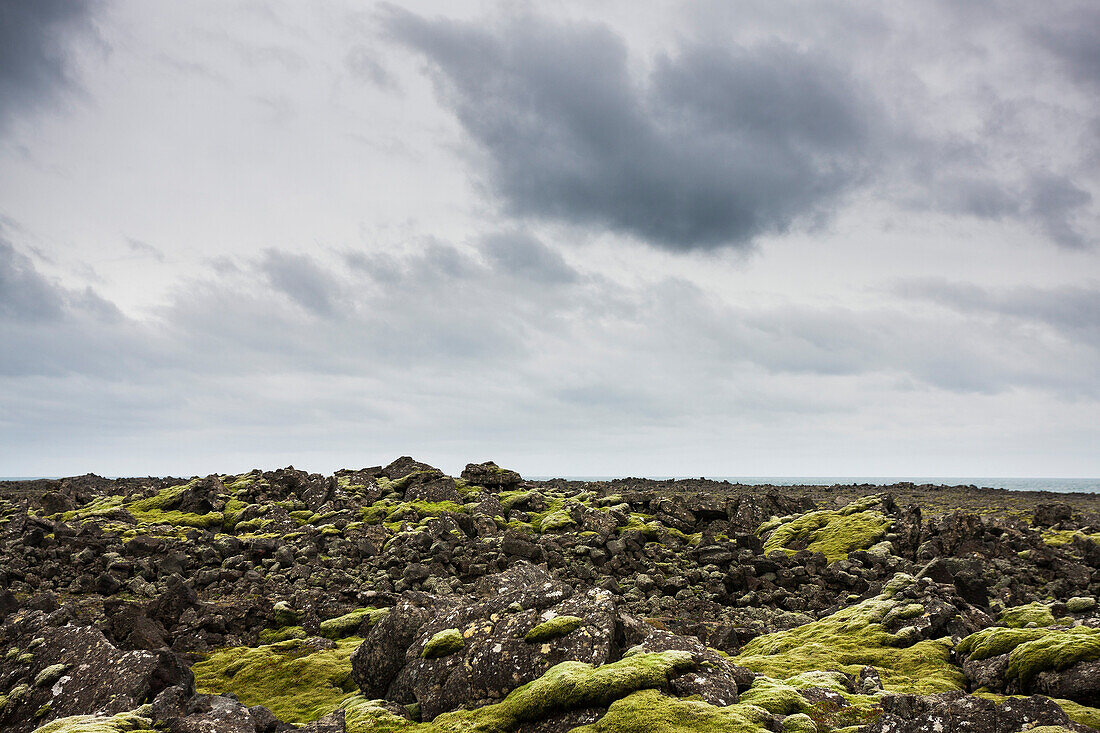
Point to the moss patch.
(552, 629)
(121, 723)
(850, 639)
(1037, 614)
(648, 711)
(349, 623)
(1034, 650)
(834, 533)
(443, 643)
(296, 681)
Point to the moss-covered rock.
(443, 643)
(50, 674)
(346, 625)
(851, 639)
(553, 628)
(648, 711)
(274, 636)
(295, 679)
(1033, 614)
(833, 533)
(120, 723)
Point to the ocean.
(1061, 485)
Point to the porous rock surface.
(398, 597)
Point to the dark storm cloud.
(34, 64)
(24, 294)
(714, 147)
(301, 279)
(712, 144)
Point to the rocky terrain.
(397, 598)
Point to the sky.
(743, 238)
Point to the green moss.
(852, 638)
(1055, 650)
(296, 681)
(1060, 537)
(1034, 650)
(555, 521)
(799, 723)
(273, 636)
(121, 723)
(554, 628)
(995, 640)
(96, 508)
(774, 696)
(232, 511)
(161, 501)
(50, 674)
(443, 643)
(648, 711)
(1033, 613)
(370, 716)
(568, 686)
(252, 525)
(834, 533)
(349, 623)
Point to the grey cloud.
(1073, 312)
(144, 249)
(714, 148)
(1071, 36)
(363, 65)
(523, 255)
(1053, 201)
(34, 63)
(301, 279)
(24, 294)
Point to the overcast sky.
(698, 238)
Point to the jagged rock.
(491, 476)
(95, 676)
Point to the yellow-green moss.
(370, 716)
(346, 625)
(50, 674)
(274, 636)
(443, 643)
(296, 681)
(834, 533)
(96, 508)
(1019, 617)
(567, 686)
(120, 723)
(852, 638)
(552, 629)
(1034, 650)
(648, 711)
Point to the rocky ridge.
(397, 597)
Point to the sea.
(1061, 485)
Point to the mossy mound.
(569, 686)
(1034, 650)
(1033, 614)
(346, 625)
(553, 628)
(443, 643)
(833, 533)
(648, 711)
(295, 680)
(121, 723)
(851, 639)
(284, 633)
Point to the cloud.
(300, 278)
(522, 255)
(144, 249)
(712, 148)
(706, 144)
(34, 59)
(24, 294)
